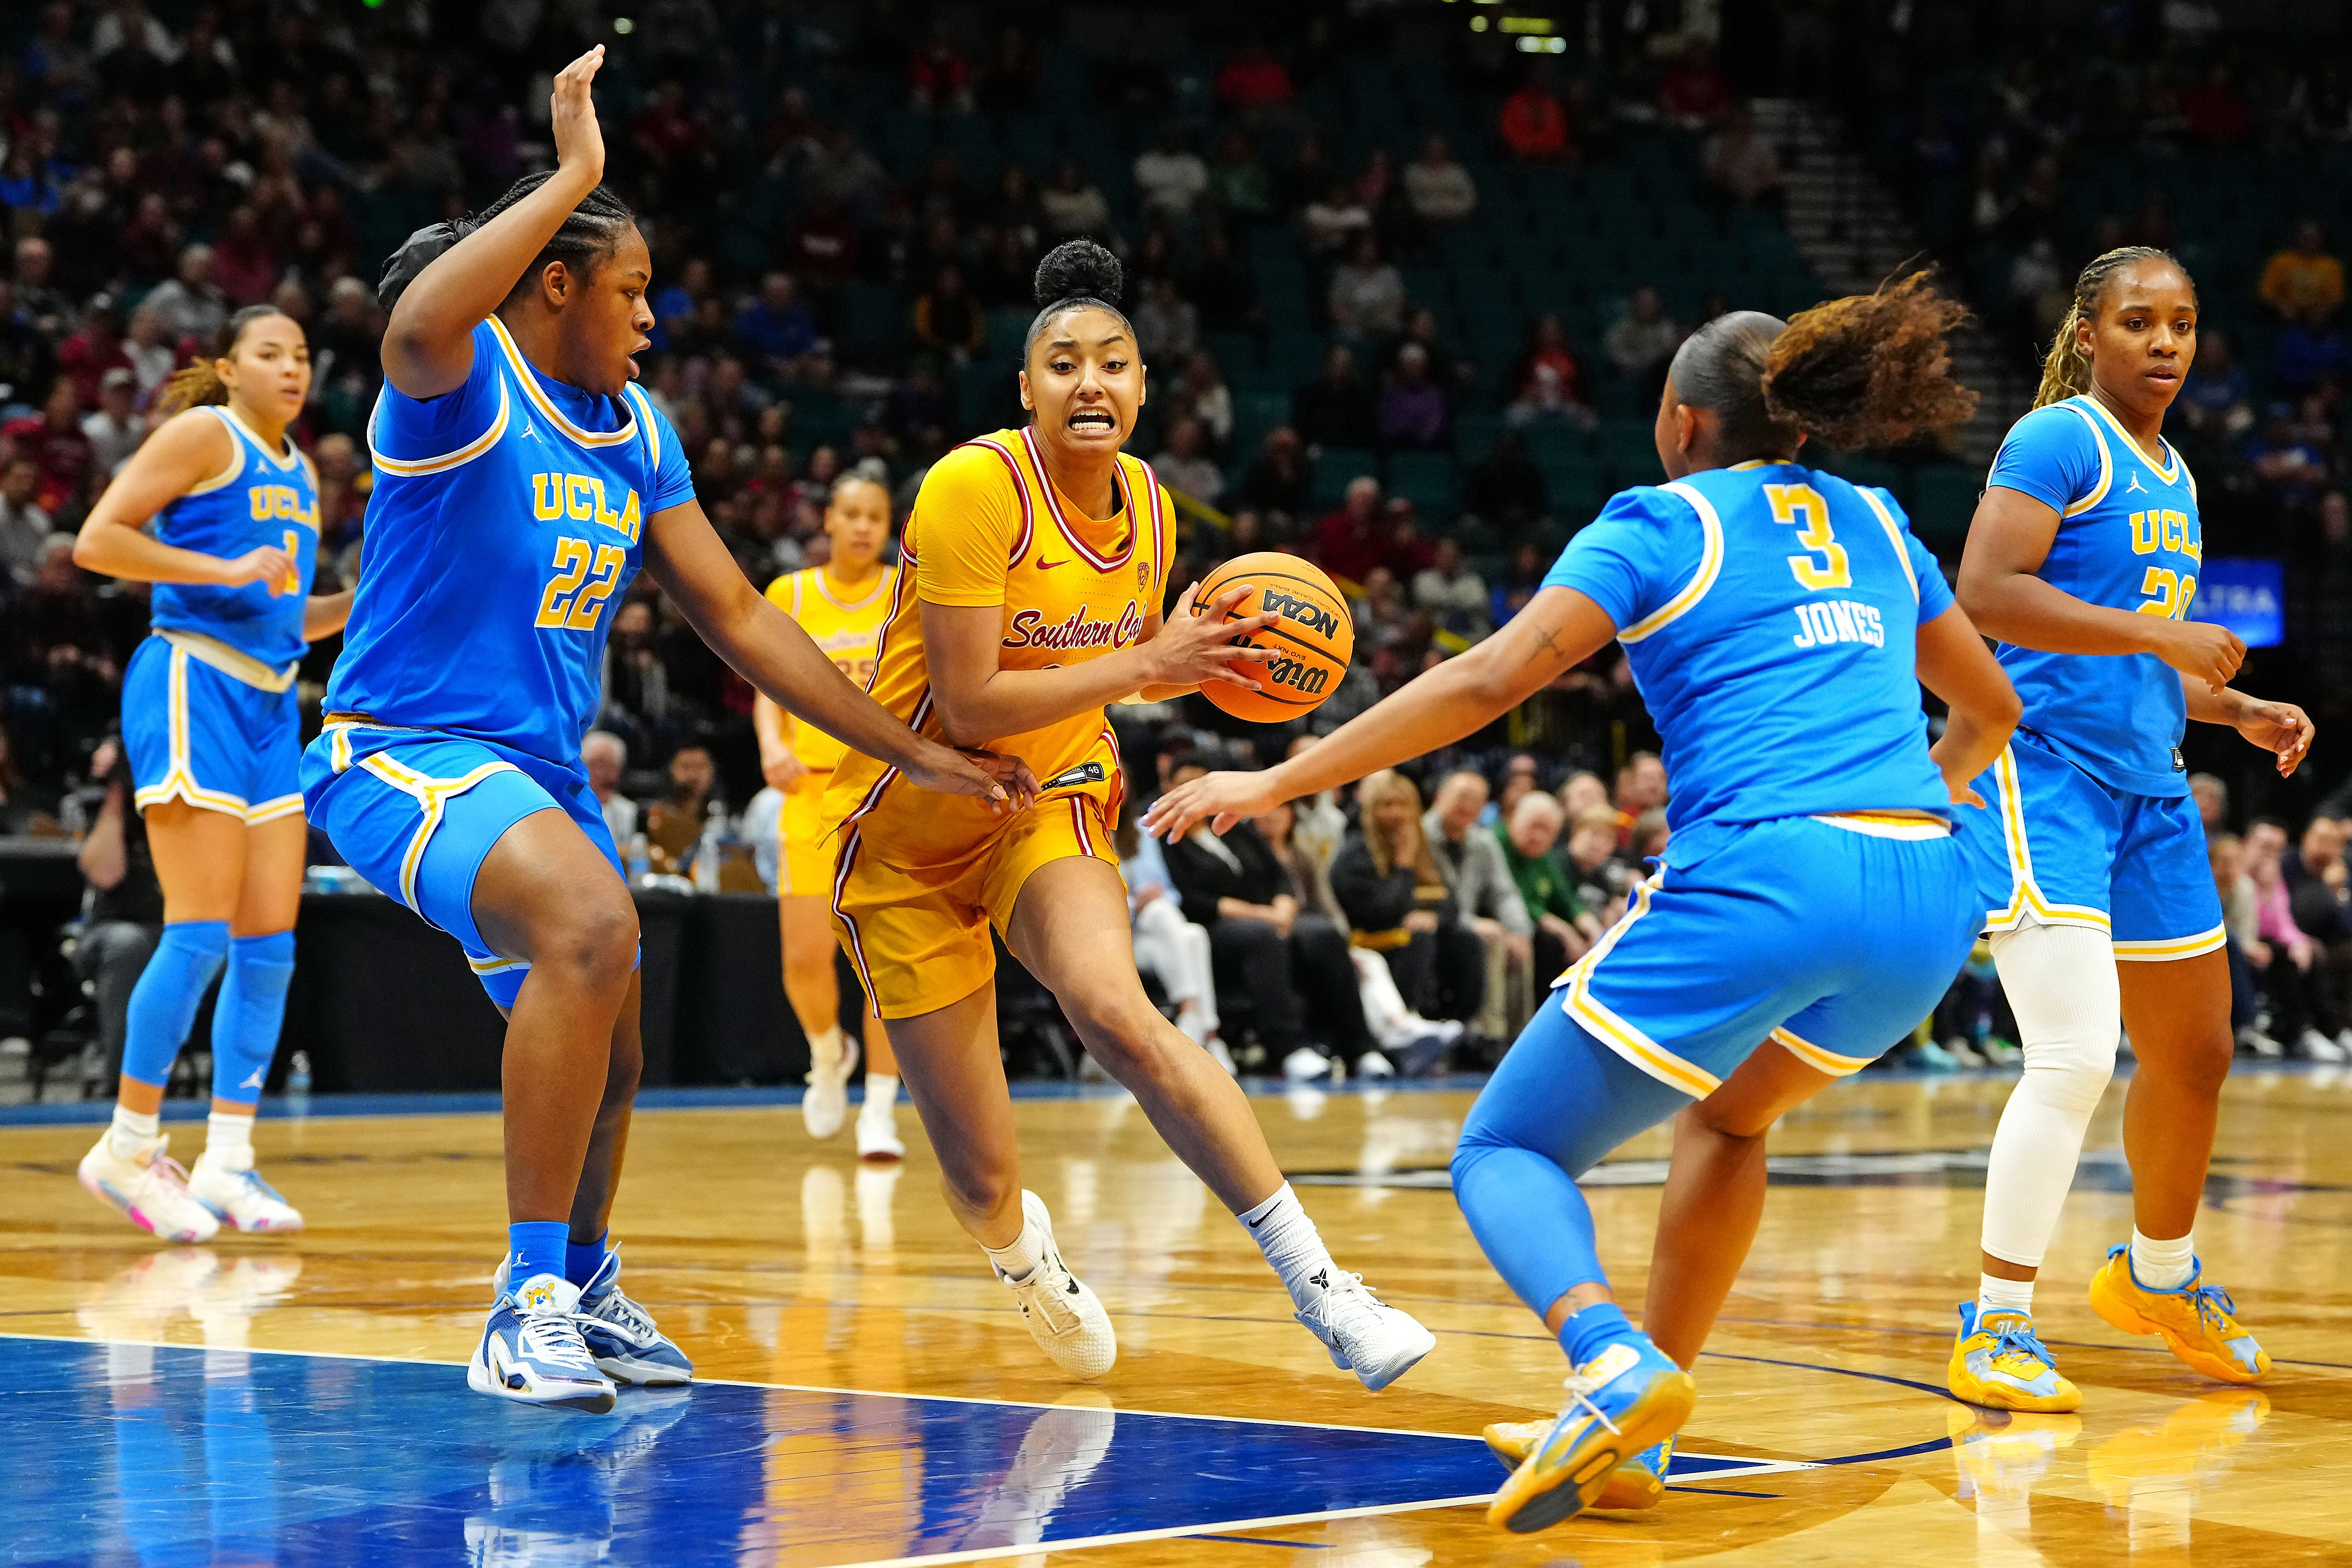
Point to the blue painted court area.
(163, 1457)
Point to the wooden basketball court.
(870, 1396)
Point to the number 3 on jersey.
(1804, 509)
(565, 602)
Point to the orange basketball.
(1313, 638)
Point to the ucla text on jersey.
(507, 519)
(2129, 538)
(260, 498)
(1771, 612)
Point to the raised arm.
(190, 449)
(1955, 664)
(978, 702)
(1559, 629)
(769, 649)
(2007, 541)
(428, 343)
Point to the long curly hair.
(2066, 369)
(1869, 370)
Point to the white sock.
(1291, 1243)
(826, 1046)
(2163, 1265)
(2003, 1295)
(881, 1096)
(132, 1130)
(1019, 1258)
(228, 1140)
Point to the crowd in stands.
(840, 283)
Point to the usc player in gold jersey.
(1032, 573)
(841, 606)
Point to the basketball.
(1314, 637)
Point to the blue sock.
(164, 1003)
(536, 1247)
(1589, 1333)
(249, 1014)
(581, 1263)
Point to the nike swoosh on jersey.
(1045, 565)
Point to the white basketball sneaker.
(532, 1349)
(152, 1189)
(1364, 1335)
(1065, 1318)
(877, 1133)
(825, 1106)
(241, 1199)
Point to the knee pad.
(2060, 983)
(164, 1003)
(250, 1014)
(264, 965)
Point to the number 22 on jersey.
(1804, 509)
(566, 602)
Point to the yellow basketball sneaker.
(2197, 1321)
(1623, 1403)
(1998, 1362)
(1636, 1484)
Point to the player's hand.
(1195, 650)
(572, 110)
(1005, 781)
(268, 566)
(2280, 728)
(2201, 651)
(1219, 799)
(783, 770)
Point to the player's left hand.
(2280, 728)
(1220, 799)
(1005, 781)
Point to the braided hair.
(2066, 370)
(1870, 370)
(587, 236)
(1076, 275)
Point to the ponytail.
(2066, 369)
(195, 384)
(1870, 370)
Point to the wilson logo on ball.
(1304, 678)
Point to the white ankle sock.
(2003, 1295)
(1291, 1243)
(131, 1132)
(1018, 1260)
(2163, 1265)
(881, 1096)
(228, 1140)
(827, 1047)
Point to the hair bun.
(1078, 270)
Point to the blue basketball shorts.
(196, 733)
(416, 813)
(1832, 937)
(2059, 847)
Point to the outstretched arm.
(769, 649)
(2007, 541)
(1955, 665)
(190, 449)
(1559, 629)
(2280, 728)
(428, 343)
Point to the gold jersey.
(849, 630)
(989, 530)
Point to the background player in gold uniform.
(841, 605)
(1033, 571)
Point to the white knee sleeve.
(2060, 983)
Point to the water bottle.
(710, 848)
(298, 1075)
(640, 860)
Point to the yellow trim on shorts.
(2170, 948)
(2025, 897)
(1613, 1031)
(1815, 1057)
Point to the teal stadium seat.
(1336, 466)
(1427, 479)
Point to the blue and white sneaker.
(532, 1349)
(1636, 1484)
(241, 1199)
(622, 1336)
(1621, 1404)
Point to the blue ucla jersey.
(1772, 613)
(507, 520)
(261, 497)
(2129, 538)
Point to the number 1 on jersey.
(292, 582)
(1804, 509)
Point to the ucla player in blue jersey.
(1811, 905)
(2082, 561)
(521, 480)
(219, 510)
